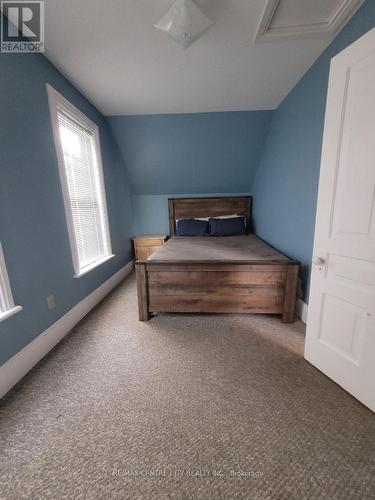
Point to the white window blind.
(7, 307)
(83, 186)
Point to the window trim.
(6, 290)
(55, 99)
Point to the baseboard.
(16, 367)
(302, 310)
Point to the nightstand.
(144, 246)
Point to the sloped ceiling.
(111, 52)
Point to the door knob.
(318, 261)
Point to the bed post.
(142, 292)
(290, 293)
(171, 216)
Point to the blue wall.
(33, 229)
(187, 154)
(286, 184)
(192, 153)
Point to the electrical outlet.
(51, 301)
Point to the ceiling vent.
(284, 19)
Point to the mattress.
(206, 248)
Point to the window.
(81, 174)
(7, 307)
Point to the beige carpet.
(216, 407)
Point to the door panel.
(352, 272)
(341, 327)
(356, 173)
(340, 337)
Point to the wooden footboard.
(217, 287)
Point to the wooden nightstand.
(144, 246)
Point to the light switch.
(51, 301)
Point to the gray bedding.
(204, 248)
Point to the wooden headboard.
(190, 208)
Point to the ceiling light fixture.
(184, 22)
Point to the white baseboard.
(302, 310)
(16, 367)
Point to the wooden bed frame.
(268, 286)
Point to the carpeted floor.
(183, 407)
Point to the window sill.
(10, 312)
(92, 266)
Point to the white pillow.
(226, 216)
(216, 217)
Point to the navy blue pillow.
(227, 227)
(192, 227)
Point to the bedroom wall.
(33, 229)
(286, 183)
(187, 154)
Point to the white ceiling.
(110, 51)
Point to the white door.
(340, 338)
